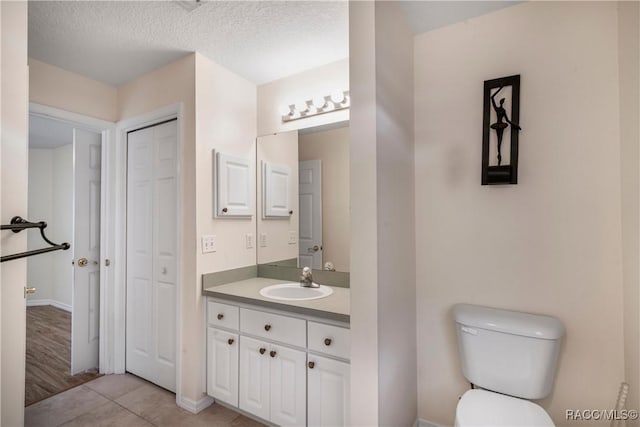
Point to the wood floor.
(49, 354)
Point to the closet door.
(151, 253)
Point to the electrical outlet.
(249, 240)
(263, 240)
(209, 244)
(293, 238)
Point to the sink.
(294, 292)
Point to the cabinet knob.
(230, 341)
(272, 353)
(290, 212)
(267, 327)
(220, 316)
(225, 210)
(311, 365)
(262, 350)
(327, 341)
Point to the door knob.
(82, 262)
(315, 248)
(29, 291)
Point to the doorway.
(63, 315)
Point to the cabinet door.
(328, 392)
(288, 386)
(234, 186)
(254, 377)
(222, 366)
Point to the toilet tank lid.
(507, 321)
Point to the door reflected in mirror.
(313, 190)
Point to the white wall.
(279, 149)
(14, 159)
(331, 147)
(629, 72)
(302, 86)
(383, 318)
(550, 244)
(51, 200)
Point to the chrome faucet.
(306, 280)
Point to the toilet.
(510, 358)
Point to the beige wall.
(14, 108)
(168, 85)
(629, 72)
(303, 86)
(55, 87)
(226, 122)
(550, 244)
(279, 149)
(331, 147)
(383, 318)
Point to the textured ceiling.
(117, 41)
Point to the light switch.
(293, 238)
(249, 240)
(263, 240)
(209, 244)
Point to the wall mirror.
(303, 198)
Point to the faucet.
(306, 280)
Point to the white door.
(85, 319)
(222, 366)
(310, 190)
(151, 254)
(288, 386)
(328, 392)
(254, 377)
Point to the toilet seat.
(485, 408)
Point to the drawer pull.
(267, 327)
(327, 341)
(272, 353)
(220, 316)
(230, 341)
(262, 350)
(311, 365)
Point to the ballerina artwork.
(502, 121)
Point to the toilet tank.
(506, 351)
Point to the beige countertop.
(335, 306)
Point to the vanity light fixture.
(338, 100)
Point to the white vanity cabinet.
(328, 378)
(286, 369)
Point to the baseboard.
(57, 304)
(424, 423)
(194, 406)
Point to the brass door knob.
(311, 365)
(267, 327)
(29, 291)
(327, 341)
(230, 341)
(220, 316)
(262, 350)
(272, 353)
(82, 262)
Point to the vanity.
(275, 350)
(283, 361)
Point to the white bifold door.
(152, 253)
(85, 318)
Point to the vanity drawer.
(223, 315)
(288, 330)
(331, 340)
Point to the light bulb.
(285, 110)
(302, 106)
(319, 102)
(337, 97)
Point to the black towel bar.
(17, 225)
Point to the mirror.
(303, 198)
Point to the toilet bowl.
(486, 408)
(509, 357)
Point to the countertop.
(335, 306)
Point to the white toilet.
(509, 357)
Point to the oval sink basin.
(294, 292)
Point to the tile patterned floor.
(125, 400)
